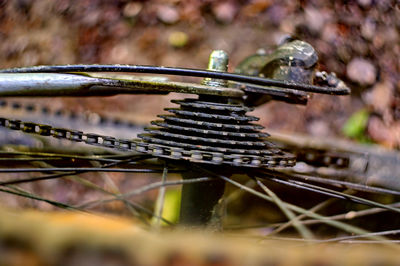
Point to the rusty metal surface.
(55, 84)
(293, 61)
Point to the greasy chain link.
(198, 156)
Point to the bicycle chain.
(158, 150)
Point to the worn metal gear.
(214, 133)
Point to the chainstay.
(157, 150)
(339, 90)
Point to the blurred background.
(359, 40)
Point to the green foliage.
(355, 126)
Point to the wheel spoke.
(334, 193)
(300, 217)
(23, 193)
(147, 188)
(339, 183)
(285, 179)
(304, 231)
(78, 170)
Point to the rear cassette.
(204, 131)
